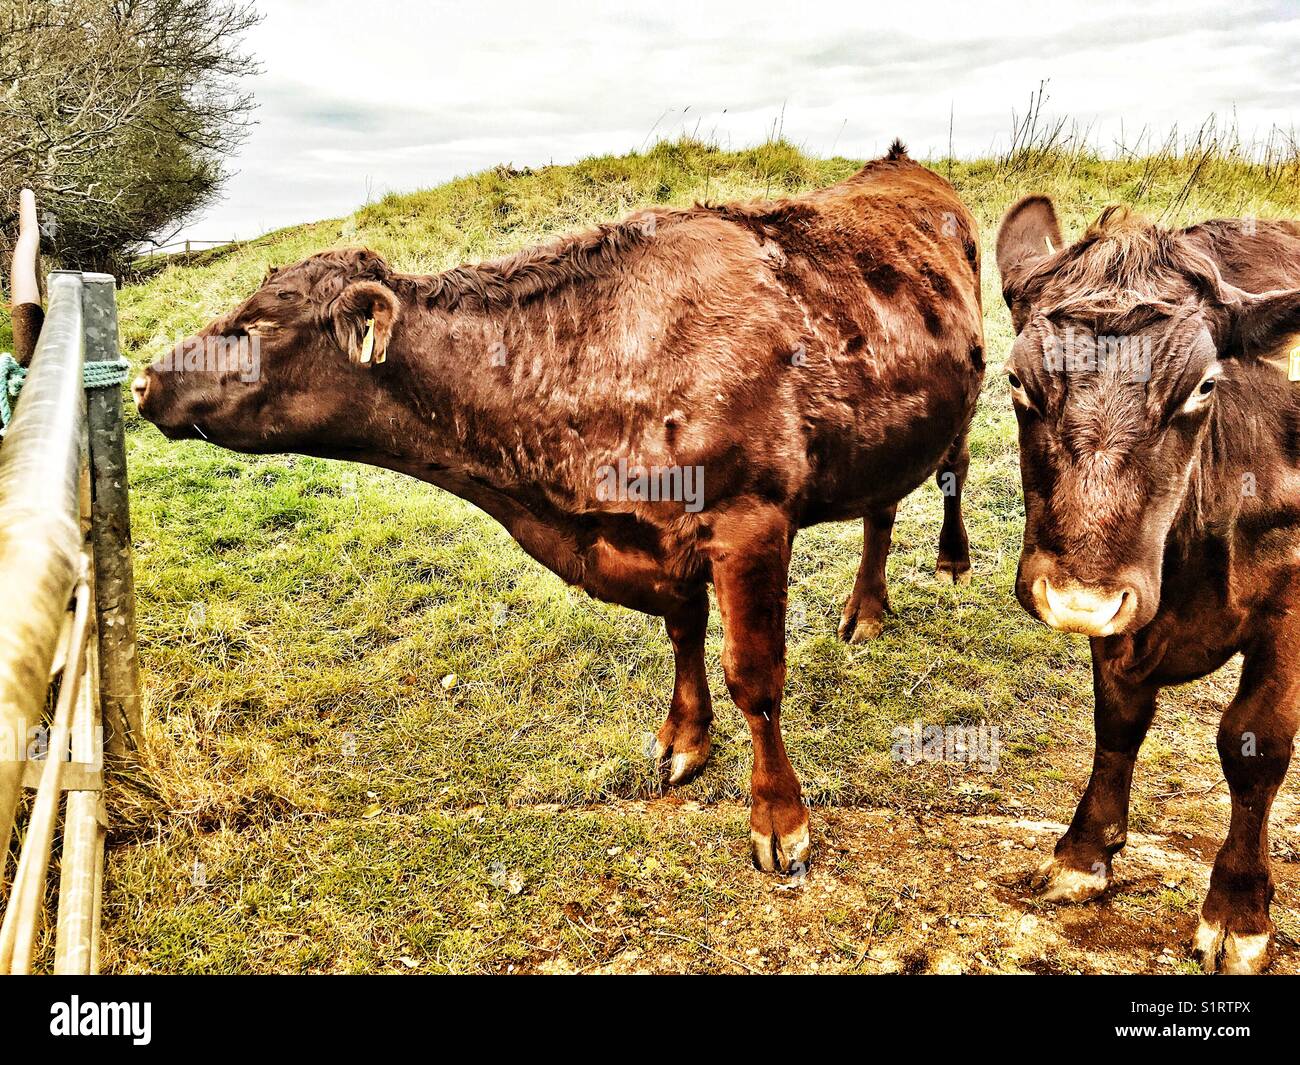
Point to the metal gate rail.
(69, 681)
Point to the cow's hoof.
(781, 852)
(952, 571)
(861, 621)
(1232, 953)
(682, 759)
(1063, 884)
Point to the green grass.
(349, 810)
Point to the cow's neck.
(463, 407)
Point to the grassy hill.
(381, 738)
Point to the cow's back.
(886, 267)
(821, 350)
(852, 353)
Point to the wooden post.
(119, 670)
(24, 289)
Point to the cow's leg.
(683, 740)
(1254, 743)
(863, 614)
(1080, 867)
(750, 571)
(953, 563)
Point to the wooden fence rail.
(69, 685)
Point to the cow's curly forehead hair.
(326, 274)
(1125, 271)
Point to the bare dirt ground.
(950, 894)
(930, 891)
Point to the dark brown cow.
(646, 407)
(1160, 454)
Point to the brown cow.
(646, 407)
(1158, 450)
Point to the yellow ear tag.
(368, 341)
(1293, 365)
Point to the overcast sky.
(360, 98)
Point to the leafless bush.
(120, 114)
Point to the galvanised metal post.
(119, 677)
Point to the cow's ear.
(1267, 327)
(1028, 234)
(364, 316)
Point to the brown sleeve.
(27, 320)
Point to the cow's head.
(1127, 342)
(283, 369)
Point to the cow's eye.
(1019, 395)
(286, 294)
(1202, 392)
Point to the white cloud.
(364, 98)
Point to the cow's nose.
(140, 389)
(1084, 608)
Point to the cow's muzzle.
(1089, 609)
(1112, 606)
(155, 405)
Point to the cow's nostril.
(1128, 606)
(139, 388)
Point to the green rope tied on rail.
(11, 382)
(93, 375)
